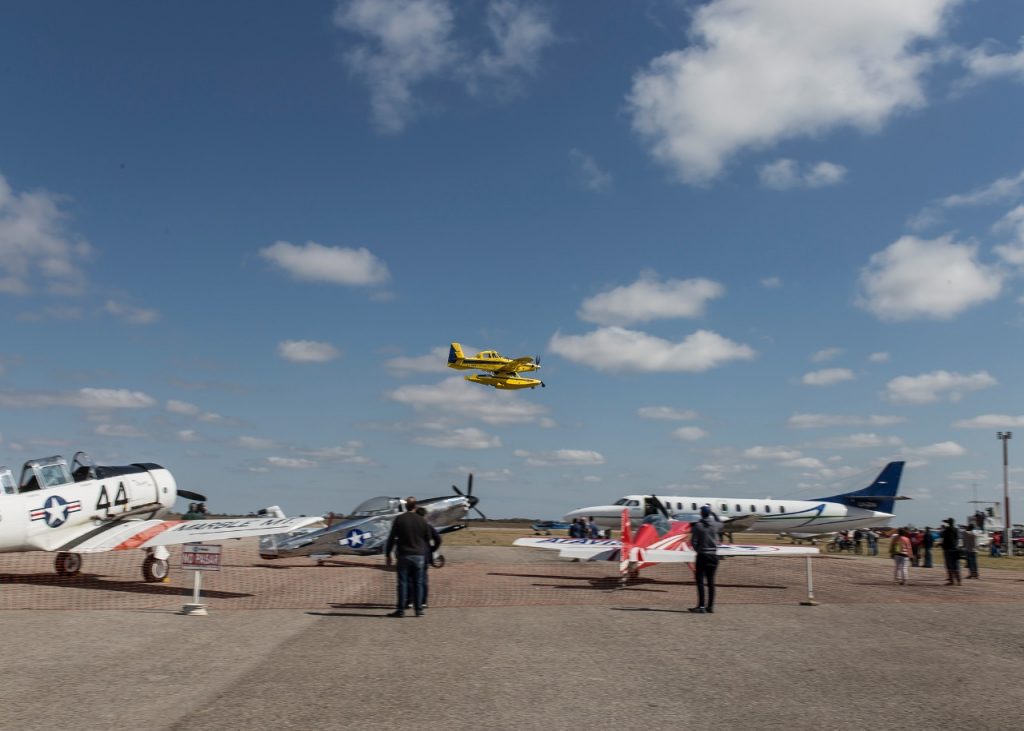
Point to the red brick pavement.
(474, 577)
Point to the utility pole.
(1004, 437)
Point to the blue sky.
(762, 246)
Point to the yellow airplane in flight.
(501, 372)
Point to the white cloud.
(619, 349)
(820, 421)
(929, 387)
(188, 435)
(120, 431)
(588, 172)
(689, 433)
(561, 458)
(34, 248)
(918, 278)
(347, 453)
(666, 413)
(827, 377)
(862, 440)
(464, 438)
(804, 463)
(469, 400)
(984, 63)
(779, 453)
(315, 262)
(762, 71)
(182, 407)
(291, 463)
(520, 31)
(247, 442)
(1012, 223)
(436, 361)
(968, 475)
(307, 351)
(130, 313)
(771, 282)
(991, 421)
(999, 190)
(826, 354)
(878, 358)
(941, 449)
(84, 398)
(785, 174)
(650, 299)
(407, 43)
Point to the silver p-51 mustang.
(365, 531)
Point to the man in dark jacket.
(410, 539)
(705, 543)
(951, 551)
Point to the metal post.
(809, 602)
(1005, 437)
(197, 584)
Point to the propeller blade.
(189, 495)
(480, 512)
(469, 485)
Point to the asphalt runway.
(573, 651)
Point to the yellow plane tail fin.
(455, 354)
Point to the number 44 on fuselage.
(500, 372)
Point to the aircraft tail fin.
(455, 353)
(626, 551)
(880, 495)
(627, 534)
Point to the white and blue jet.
(81, 507)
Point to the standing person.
(872, 542)
(435, 544)
(927, 542)
(900, 551)
(951, 552)
(705, 543)
(916, 539)
(574, 529)
(592, 530)
(970, 541)
(410, 539)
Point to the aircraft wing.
(586, 549)
(127, 534)
(512, 367)
(728, 549)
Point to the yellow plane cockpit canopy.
(46, 472)
(7, 484)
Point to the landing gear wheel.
(155, 569)
(438, 562)
(67, 564)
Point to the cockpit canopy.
(378, 506)
(38, 474)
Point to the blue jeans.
(972, 563)
(411, 574)
(707, 565)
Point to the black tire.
(67, 564)
(155, 569)
(831, 548)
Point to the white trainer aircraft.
(85, 508)
(871, 506)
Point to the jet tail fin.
(880, 495)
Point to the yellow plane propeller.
(499, 371)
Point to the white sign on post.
(198, 558)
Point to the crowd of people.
(914, 547)
(580, 528)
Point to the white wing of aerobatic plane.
(150, 533)
(588, 549)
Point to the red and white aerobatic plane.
(670, 544)
(85, 508)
